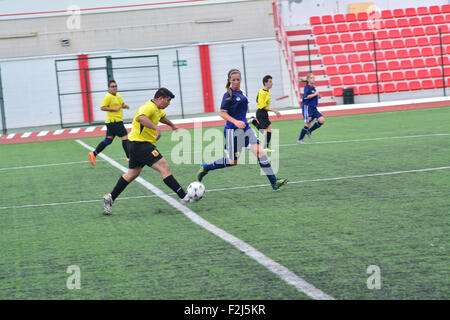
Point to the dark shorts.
(310, 113)
(116, 129)
(263, 118)
(143, 154)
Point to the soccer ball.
(196, 191)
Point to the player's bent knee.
(107, 141)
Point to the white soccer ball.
(196, 191)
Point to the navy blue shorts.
(310, 113)
(236, 139)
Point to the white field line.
(281, 145)
(281, 271)
(236, 188)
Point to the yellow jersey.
(113, 101)
(141, 133)
(263, 98)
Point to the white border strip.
(281, 271)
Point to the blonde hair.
(230, 73)
(308, 76)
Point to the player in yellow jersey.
(113, 104)
(262, 122)
(142, 139)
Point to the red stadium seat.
(423, 42)
(377, 88)
(438, 83)
(346, 37)
(418, 63)
(406, 64)
(385, 77)
(362, 16)
(339, 18)
(428, 84)
(341, 59)
(447, 18)
(414, 22)
(427, 52)
(406, 32)
(372, 78)
(350, 17)
(410, 75)
(394, 34)
(331, 71)
(390, 24)
(321, 40)
(379, 55)
(398, 13)
(318, 30)
(377, 45)
(343, 69)
(349, 47)
(436, 73)
(403, 23)
(430, 30)
(354, 27)
(389, 87)
(437, 51)
(445, 8)
(386, 44)
(327, 19)
(410, 43)
(414, 53)
(342, 27)
(353, 58)
(423, 73)
(444, 28)
(330, 28)
(348, 80)
(381, 35)
(446, 39)
(426, 20)
(398, 43)
(448, 50)
(394, 65)
(366, 57)
(360, 79)
(402, 86)
(410, 12)
(369, 67)
(386, 14)
(333, 38)
(381, 66)
(435, 10)
(422, 11)
(448, 82)
(431, 62)
(336, 49)
(335, 81)
(368, 36)
(328, 60)
(361, 46)
(337, 92)
(415, 85)
(435, 41)
(402, 54)
(418, 32)
(439, 19)
(398, 76)
(390, 55)
(356, 68)
(324, 50)
(314, 20)
(357, 37)
(364, 90)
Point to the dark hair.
(111, 81)
(164, 92)
(266, 79)
(231, 72)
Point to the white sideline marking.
(284, 273)
(59, 131)
(42, 133)
(236, 188)
(26, 134)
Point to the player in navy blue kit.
(238, 133)
(309, 109)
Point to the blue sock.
(303, 132)
(264, 163)
(316, 125)
(218, 164)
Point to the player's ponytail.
(309, 75)
(230, 73)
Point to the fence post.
(245, 71)
(309, 57)
(376, 67)
(179, 84)
(442, 61)
(2, 106)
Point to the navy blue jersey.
(313, 102)
(236, 107)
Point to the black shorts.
(263, 118)
(142, 154)
(116, 129)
